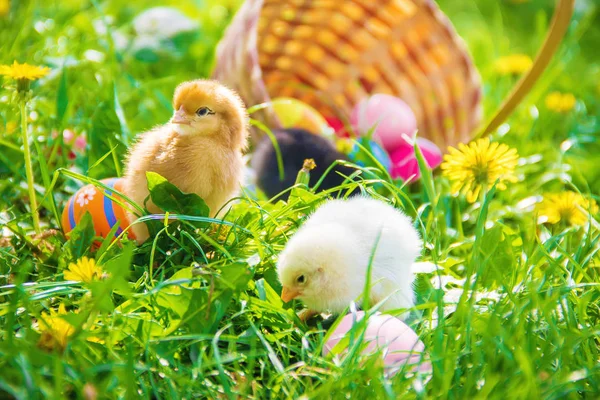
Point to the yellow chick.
(199, 150)
(325, 263)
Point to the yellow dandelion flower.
(568, 207)
(54, 329)
(23, 74)
(4, 7)
(479, 164)
(85, 270)
(23, 71)
(514, 64)
(560, 102)
(11, 127)
(221, 230)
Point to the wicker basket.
(331, 54)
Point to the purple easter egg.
(390, 116)
(399, 344)
(404, 160)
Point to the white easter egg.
(399, 344)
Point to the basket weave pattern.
(332, 54)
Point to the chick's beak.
(288, 294)
(180, 117)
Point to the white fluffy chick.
(325, 263)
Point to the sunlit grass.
(507, 307)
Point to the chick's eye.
(203, 111)
(301, 279)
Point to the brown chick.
(199, 150)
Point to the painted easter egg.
(360, 157)
(340, 130)
(388, 115)
(293, 113)
(404, 160)
(399, 344)
(105, 213)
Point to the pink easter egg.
(399, 344)
(404, 160)
(68, 136)
(391, 116)
(80, 143)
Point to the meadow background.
(511, 311)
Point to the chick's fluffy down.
(198, 153)
(332, 249)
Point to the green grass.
(511, 312)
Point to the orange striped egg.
(105, 213)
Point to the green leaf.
(81, 238)
(426, 176)
(481, 220)
(169, 198)
(75, 319)
(120, 116)
(196, 316)
(176, 297)
(44, 170)
(207, 309)
(267, 293)
(423, 288)
(303, 196)
(498, 256)
(119, 268)
(271, 279)
(108, 239)
(101, 294)
(62, 97)
(235, 276)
